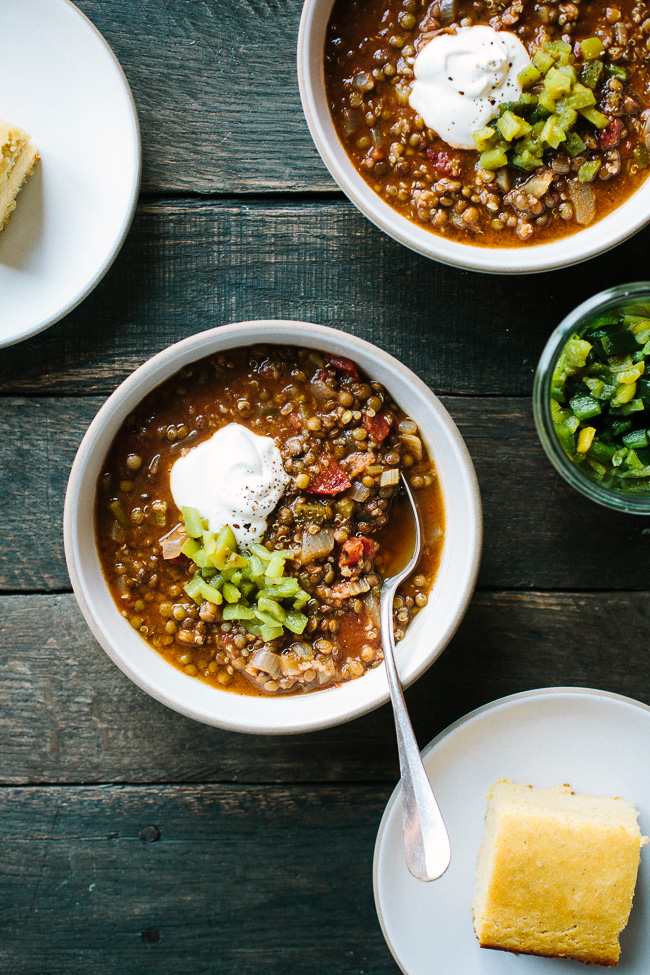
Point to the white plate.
(60, 81)
(597, 742)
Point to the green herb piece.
(493, 159)
(543, 61)
(592, 48)
(585, 407)
(485, 138)
(580, 97)
(574, 144)
(119, 512)
(529, 75)
(511, 126)
(595, 117)
(588, 171)
(636, 438)
(590, 74)
(193, 522)
(615, 71)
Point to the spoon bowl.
(426, 841)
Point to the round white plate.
(60, 81)
(597, 742)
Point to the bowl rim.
(151, 374)
(613, 229)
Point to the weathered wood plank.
(67, 714)
(188, 266)
(208, 880)
(217, 93)
(539, 533)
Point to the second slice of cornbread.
(556, 872)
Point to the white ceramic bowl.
(426, 637)
(625, 221)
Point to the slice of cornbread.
(18, 156)
(556, 872)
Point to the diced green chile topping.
(600, 399)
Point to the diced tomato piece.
(577, 51)
(610, 136)
(377, 426)
(268, 369)
(331, 479)
(355, 463)
(354, 549)
(351, 552)
(441, 161)
(295, 421)
(370, 547)
(345, 365)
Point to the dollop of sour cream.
(235, 478)
(462, 78)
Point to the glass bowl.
(623, 296)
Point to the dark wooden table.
(133, 840)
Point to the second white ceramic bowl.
(426, 637)
(625, 221)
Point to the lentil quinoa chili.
(551, 182)
(337, 528)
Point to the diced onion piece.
(389, 477)
(372, 608)
(583, 198)
(172, 543)
(290, 666)
(363, 81)
(413, 445)
(538, 184)
(270, 663)
(503, 179)
(326, 670)
(315, 546)
(303, 651)
(359, 492)
(351, 119)
(447, 12)
(407, 426)
(358, 586)
(402, 91)
(321, 390)
(349, 588)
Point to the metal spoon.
(426, 842)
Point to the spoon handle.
(426, 842)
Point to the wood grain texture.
(188, 266)
(539, 533)
(68, 715)
(203, 880)
(217, 93)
